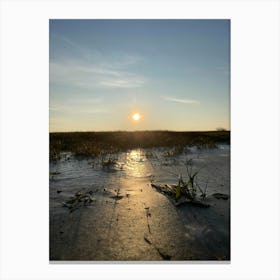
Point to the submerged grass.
(99, 143)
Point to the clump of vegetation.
(186, 191)
(53, 174)
(190, 187)
(55, 153)
(152, 179)
(177, 150)
(210, 145)
(108, 163)
(149, 154)
(80, 199)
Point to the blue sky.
(174, 73)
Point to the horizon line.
(156, 130)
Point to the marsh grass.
(186, 190)
(98, 143)
(175, 151)
(108, 163)
(189, 187)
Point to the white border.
(254, 125)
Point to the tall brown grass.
(98, 143)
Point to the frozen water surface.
(129, 220)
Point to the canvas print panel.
(139, 140)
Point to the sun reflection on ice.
(135, 155)
(136, 164)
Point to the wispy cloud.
(125, 83)
(178, 100)
(84, 101)
(73, 48)
(98, 70)
(94, 111)
(75, 110)
(92, 76)
(79, 106)
(85, 67)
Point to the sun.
(136, 116)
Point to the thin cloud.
(117, 60)
(99, 70)
(125, 83)
(83, 106)
(178, 100)
(93, 111)
(75, 48)
(84, 101)
(92, 76)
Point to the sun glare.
(136, 116)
